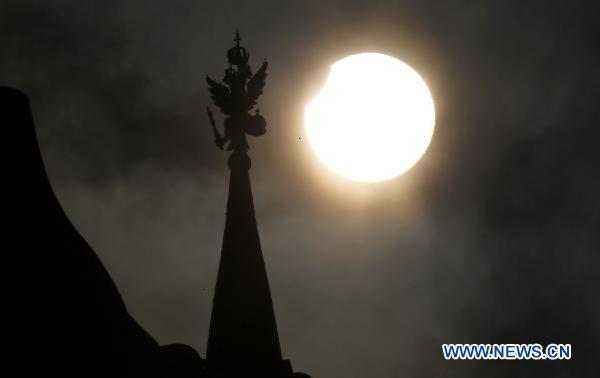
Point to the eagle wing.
(220, 95)
(255, 86)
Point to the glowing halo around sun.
(373, 119)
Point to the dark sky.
(492, 237)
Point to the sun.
(373, 119)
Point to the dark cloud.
(491, 237)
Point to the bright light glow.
(372, 120)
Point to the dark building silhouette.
(243, 340)
(62, 314)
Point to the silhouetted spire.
(243, 339)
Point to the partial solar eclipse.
(373, 119)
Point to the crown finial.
(237, 55)
(237, 38)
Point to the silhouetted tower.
(243, 340)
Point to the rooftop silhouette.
(63, 315)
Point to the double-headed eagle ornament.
(236, 96)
